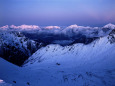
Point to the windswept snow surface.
(2, 83)
(76, 65)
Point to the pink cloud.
(77, 27)
(4, 27)
(73, 26)
(25, 27)
(52, 27)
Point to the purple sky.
(57, 12)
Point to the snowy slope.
(76, 65)
(100, 49)
(93, 62)
(2, 83)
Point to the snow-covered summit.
(111, 26)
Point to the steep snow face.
(16, 48)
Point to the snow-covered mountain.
(78, 64)
(74, 65)
(60, 34)
(15, 47)
(76, 50)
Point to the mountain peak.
(110, 25)
(73, 26)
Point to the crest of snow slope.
(75, 53)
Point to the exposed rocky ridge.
(111, 36)
(16, 48)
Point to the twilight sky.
(57, 12)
